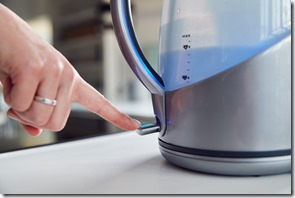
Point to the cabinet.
(78, 34)
(78, 30)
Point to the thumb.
(90, 98)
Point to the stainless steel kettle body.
(236, 122)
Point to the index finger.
(90, 98)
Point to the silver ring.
(45, 101)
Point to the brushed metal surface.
(229, 166)
(247, 108)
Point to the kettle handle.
(130, 48)
(124, 30)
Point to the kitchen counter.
(122, 163)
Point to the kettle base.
(229, 166)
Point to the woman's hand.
(30, 66)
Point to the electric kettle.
(222, 95)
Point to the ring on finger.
(46, 101)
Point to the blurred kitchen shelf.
(79, 16)
(92, 72)
(78, 34)
(79, 43)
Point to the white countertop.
(123, 163)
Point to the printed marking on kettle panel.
(186, 35)
(186, 47)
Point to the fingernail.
(138, 124)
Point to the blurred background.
(82, 31)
